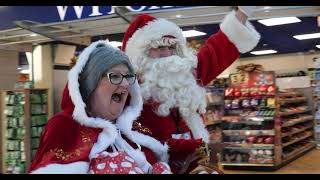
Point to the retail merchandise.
(314, 74)
(297, 123)
(263, 127)
(248, 124)
(26, 113)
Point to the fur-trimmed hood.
(124, 122)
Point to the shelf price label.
(239, 79)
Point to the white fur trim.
(156, 146)
(197, 127)
(245, 37)
(153, 30)
(124, 122)
(71, 168)
(79, 112)
(109, 133)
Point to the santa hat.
(146, 29)
(124, 122)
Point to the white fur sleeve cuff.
(245, 37)
(71, 168)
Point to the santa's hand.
(247, 10)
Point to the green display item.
(13, 145)
(44, 97)
(22, 146)
(12, 122)
(23, 156)
(21, 133)
(12, 133)
(40, 129)
(13, 155)
(18, 110)
(22, 167)
(34, 132)
(34, 120)
(35, 98)
(43, 120)
(33, 153)
(21, 121)
(10, 163)
(34, 143)
(38, 120)
(9, 99)
(9, 110)
(36, 109)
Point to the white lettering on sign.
(97, 11)
(62, 10)
(136, 10)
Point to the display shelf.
(295, 132)
(244, 164)
(294, 112)
(297, 140)
(248, 146)
(283, 101)
(249, 121)
(249, 132)
(297, 152)
(290, 94)
(16, 122)
(303, 118)
(293, 122)
(213, 123)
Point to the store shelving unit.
(249, 133)
(263, 130)
(24, 114)
(314, 74)
(297, 123)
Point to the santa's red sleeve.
(62, 149)
(224, 47)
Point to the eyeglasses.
(116, 78)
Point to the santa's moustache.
(170, 82)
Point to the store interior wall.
(42, 67)
(62, 56)
(8, 69)
(59, 81)
(279, 63)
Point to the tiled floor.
(306, 164)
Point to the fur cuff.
(245, 37)
(71, 168)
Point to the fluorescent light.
(178, 16)
(25, 71)
(192, 33)
(318, 46)
(263, 52)
(33, 35)
(115, 43)
(19, 68)
(266, 7)
(279, 21)
(307, 36)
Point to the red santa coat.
(217, 54)
(71, 138)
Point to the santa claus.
(172, 77)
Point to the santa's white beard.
(170, 82)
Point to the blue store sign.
(50, 14)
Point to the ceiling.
(279, 38)
(203, 18)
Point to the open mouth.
(118, 96)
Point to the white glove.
(248, 10)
